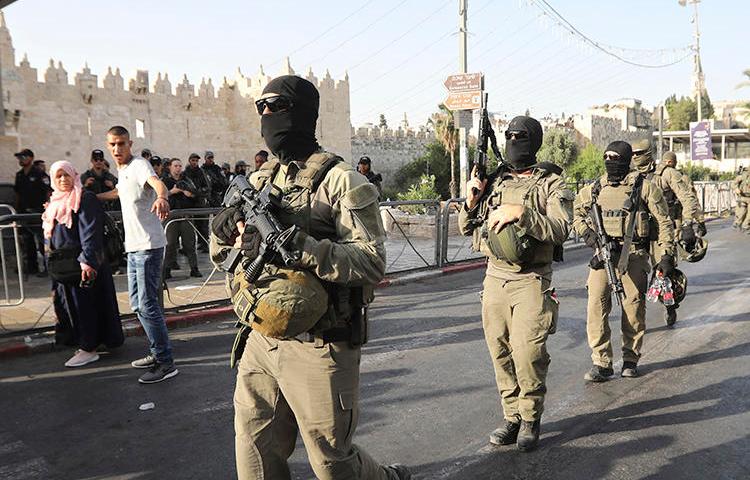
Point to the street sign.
(471, 100)
(464, 82)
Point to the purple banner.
(700, 141)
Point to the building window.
(140, 128)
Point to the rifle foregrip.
(253, 271)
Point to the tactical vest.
(744, 185)
(528, 251)
(673, 203)
(296, 203)
(612, 199)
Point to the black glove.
(700, 229)
(224, 224)
(590, 238)
(666, 265)
(596, 263)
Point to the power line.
(561, 21)
(367, 27)
(414, 27)
(324, 33)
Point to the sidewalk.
(183, 292)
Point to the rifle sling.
(627, 241)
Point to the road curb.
(133, 328)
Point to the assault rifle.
(258, 209)
(604, 249)
(486, 136)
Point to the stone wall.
(389, 149)
(60, 120)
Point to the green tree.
(558, 147)
(423, 189)
(589, 164)
(447, 134)
(745, 84)
(435, 161)
(383, 123)
(683, 111)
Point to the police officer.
(365, 168)
(682, 203)
(32, 189)
(304, 382)
(97, 179)
(741, 188)
(216, 178)
(618, 191)
(181, 193)
(240, 168)
(202, 197)
(519, 218)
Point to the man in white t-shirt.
(144, 204)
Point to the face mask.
(616, 170)
(518, 153)
(643, 162)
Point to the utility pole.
(463, 132)
(697, 68)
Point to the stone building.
(627, 120)
(60, 120)
(389, 149)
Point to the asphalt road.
(428, 397)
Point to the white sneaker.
(82, 358)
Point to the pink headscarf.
(61, 204)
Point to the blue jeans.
(144, 275)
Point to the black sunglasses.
(611, 156)
(515, 134)
(274, 104)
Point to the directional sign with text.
(471, 100)
(464, 82)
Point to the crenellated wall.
(59, 120)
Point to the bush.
(589, 164)
(558, 147)
(424, 189)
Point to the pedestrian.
(260, 158)
(633, 211)
(364, 166)
(144, 204)
(741, 189)
(32, 189)
(240, 168)
(198, 176)
(683, 206)
(216, 179)
(519, 218)
(73, 224)
(305, 382)
(181, 194)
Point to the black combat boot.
(598, 374)
(528, 435)
(629, 370)
(507, 434)
(398, 472)
(670, 315)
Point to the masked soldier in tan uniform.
(519, 218)
(741, 188)
(303, 326)
(644, 214)
(682, 203)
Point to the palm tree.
(745, 84)
(447, 134)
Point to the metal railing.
(432, 209)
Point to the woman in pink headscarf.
(74, 221)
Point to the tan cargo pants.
(633, 322)
(741, 217)
(287, 386)
(517, 316)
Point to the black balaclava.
(521, 152)
(290, 134)
(617, 170)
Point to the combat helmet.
(694, 254)
(511, 244)
(679, 285)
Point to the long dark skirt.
(93, 312)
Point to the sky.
(398, 52)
